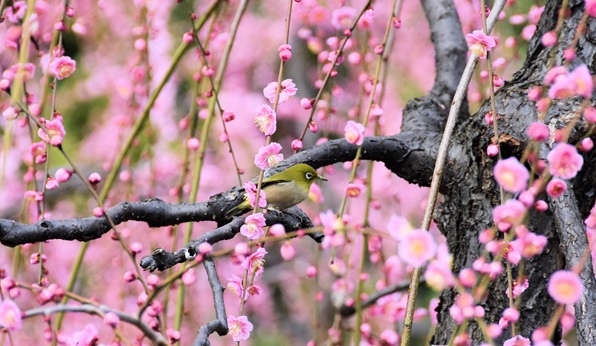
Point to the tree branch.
(450, 47)
(220, 324)
(155, 212)
(572, 232)
(99, 311)
(292, 219)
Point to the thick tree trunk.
(469, 201)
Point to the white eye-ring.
(309, 175)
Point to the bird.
(283, 190)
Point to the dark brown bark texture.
(470, 197)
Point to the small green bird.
(284, 189)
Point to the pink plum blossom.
(438, 275)
(287, 251)
(62, 67)
(251, 192)
(343, 17)
(277, 230)
(591, 7)
(235, 286)
(27, 69)
(51, 183)
(10, 316)
(583, 81)
(549, 39)
(266, 121)
(511, 175)
(189, 277)
(254, 262)
(590, 114)
(297, 144)
(417, 247)
(467, 277)
(205, 248)
(480, 43)
(565, 287)
(288, 88)
(285, 52)
(240, 327)
(10, 113)
(193, 144)
(538, 132)
(509, 214)
(464, 308)
(518, 288)
(55, 132)
(529, 244)
(586, 144)
(330, 222)
(510, 315)
(556, 187)
(354, 132)
(579, 82)
(63, 175)
(564, 161)
(354, 189)
(492, 150)
(39, 152)
(554, 73)
(517, 341)
(306, 103)
(88, 336)
(111, 319)
(389, 337)
(268, 156)
(253, 226)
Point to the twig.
(220, 324)
(439, 169)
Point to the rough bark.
(470, 199)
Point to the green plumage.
(284, 189)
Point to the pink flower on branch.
(254, 262)
(236, 287)
(240, 327)
(253, 226)
(564, 161)
(417, 247)
(529, 244)
(565, 287)
(268, 156)
(55, 132)
(343, 17)
(480, 43)
(288, 88)
(509, 214)
(511, 175)
(354, 132)
(266, 120)
(579, 82)
(251, 192)
(62, 67)
(39, 152)
(517, 341)
(10, 316)
(556, 187)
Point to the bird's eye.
(309, 175)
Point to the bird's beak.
(322, 178)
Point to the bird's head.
(302, 174)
